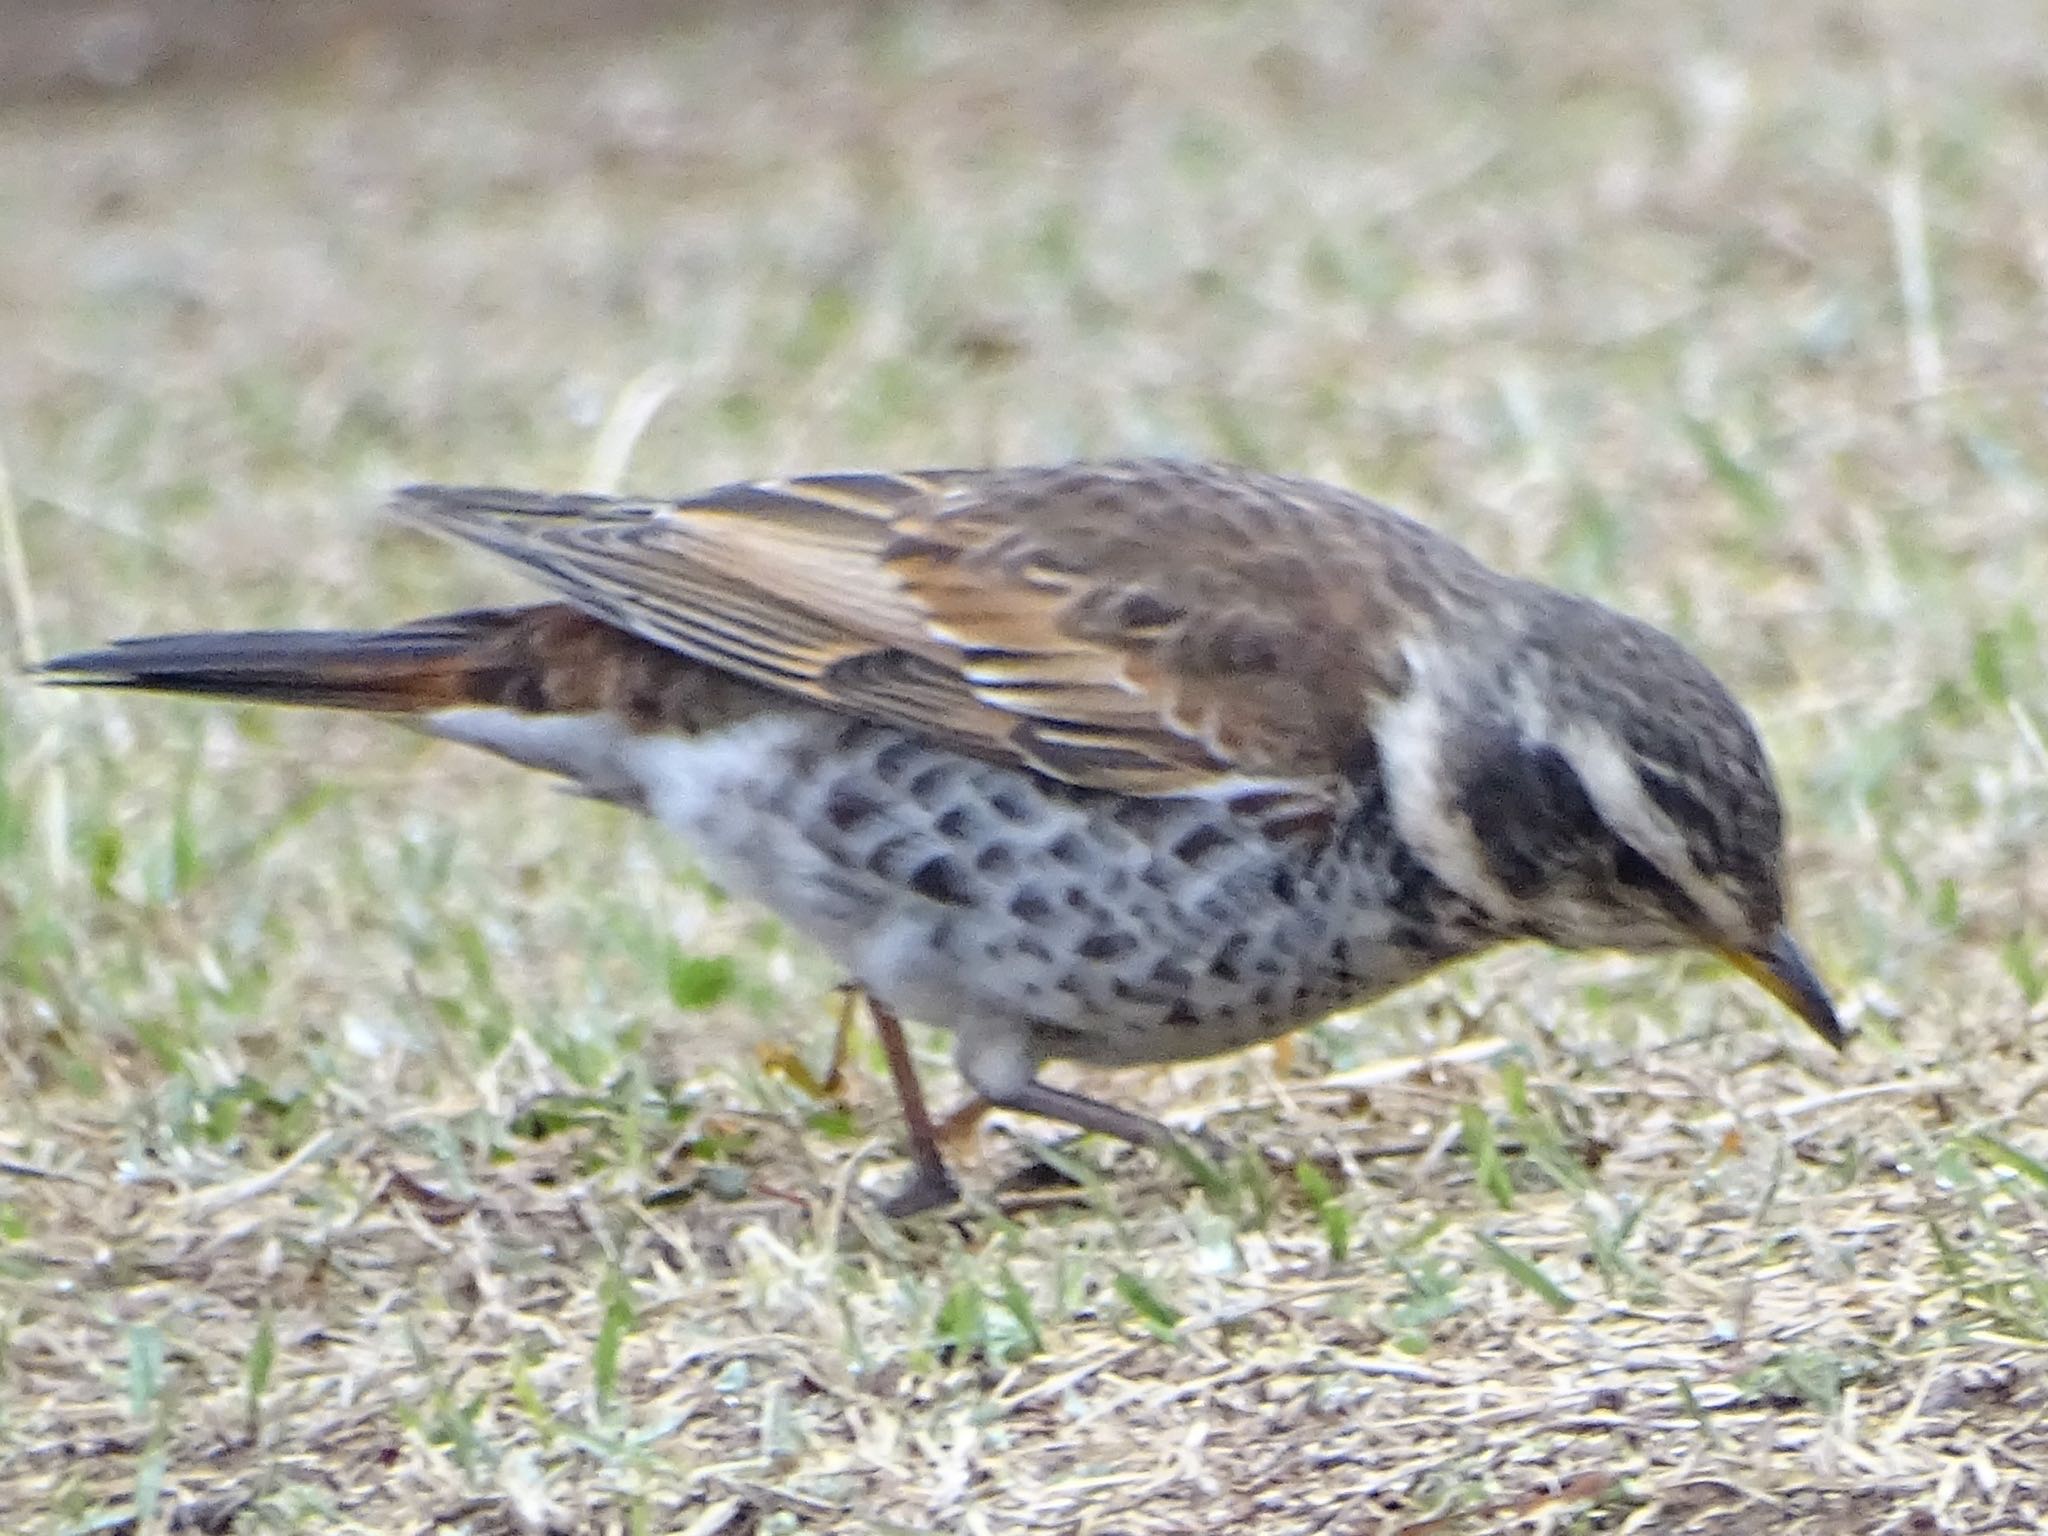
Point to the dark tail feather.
(433, 664)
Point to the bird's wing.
(1155, 628)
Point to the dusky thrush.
(1112, 763)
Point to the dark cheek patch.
(1530, 814)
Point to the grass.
(386, 1148)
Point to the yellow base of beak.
(1781, 970)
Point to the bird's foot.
(785, 1063)
(928, 1189)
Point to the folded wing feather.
(1090, 624)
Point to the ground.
(387, 1147)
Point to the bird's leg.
(785, 1062)
(930, 1185)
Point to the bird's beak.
(1781, 970)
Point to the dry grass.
(384, 1149)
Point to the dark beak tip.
(1801, 990)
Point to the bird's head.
(1597, 787)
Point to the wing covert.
(1151, 627)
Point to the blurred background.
(72, 48)
(1732, 314)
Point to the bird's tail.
(546, 685)
(440, 663)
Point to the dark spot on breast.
(1033, 949)
(1199, 842)
(1227, 966)
(996, 859)
(846, 807)
(927, 782)
(1182, 1016)
(1164, 875)
(1030, 906)
(1068, 848)
(942, 879)
(954, 823)
(894, 760)
(1283, 884)
(888, 857)
(1106, 946)
(1009, 805)
(1172, 975)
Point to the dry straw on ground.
(385, 1148)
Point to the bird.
(1117, 762)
